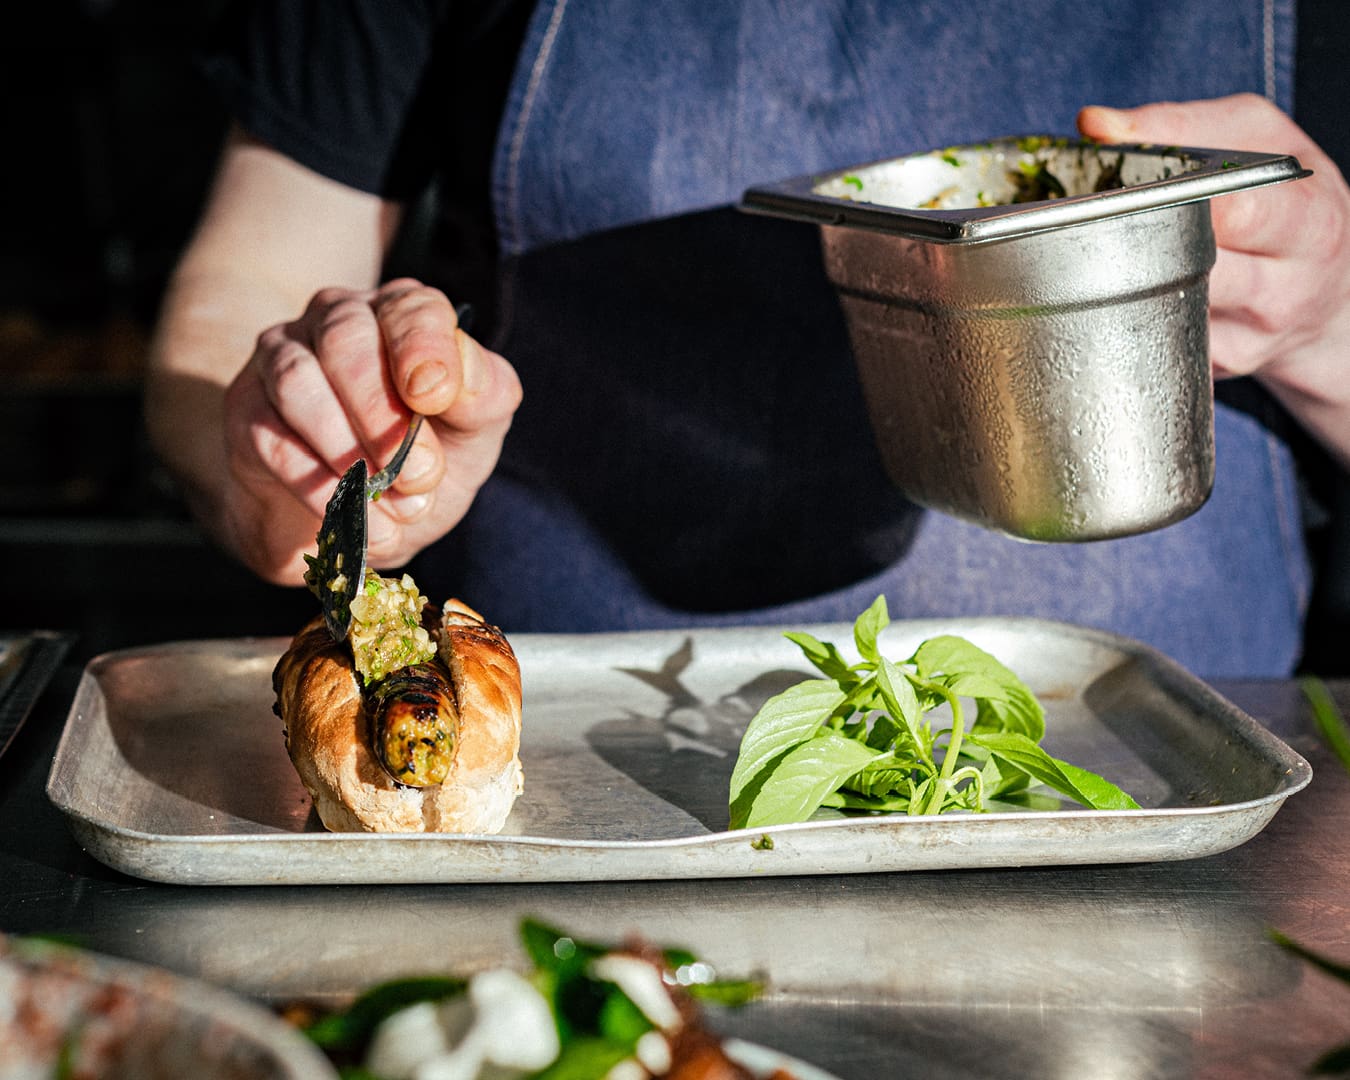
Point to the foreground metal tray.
(172, 766)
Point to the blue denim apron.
(693, 449)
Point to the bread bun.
(327, 727)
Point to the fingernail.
(380, 530)
(412, 507)
(420, 462)
(472, 362)
(425, 377)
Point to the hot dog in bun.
(412, 725)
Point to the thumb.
(1237, 122)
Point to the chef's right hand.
(341, 382)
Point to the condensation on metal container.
(1041, 367)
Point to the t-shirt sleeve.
(340, 86)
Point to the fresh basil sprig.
(862, 738)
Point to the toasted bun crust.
(328, 734)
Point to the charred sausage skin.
(415, 724)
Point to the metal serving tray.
(172, 766)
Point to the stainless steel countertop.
(1154, 970)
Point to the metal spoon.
(338, 571)
(380, 482)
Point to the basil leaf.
(352, 1029)
(964, 668)
(879, 781)
(844, 799)
(620, 1021)
(865, 697)
(730, 993)
(868, 627)
(1001, 778)
(902, 704)
(550, 949)
(825, 656)
(786, 720)
(884, 733)
(1082, 786)
(1330, 967)
(1018, 711)
(585, 1058)
(857, 729)
(1023, 801)
(799, 782)
(918, 797)
(1328, 718)
(1101, 793)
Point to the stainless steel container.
(1029, 319)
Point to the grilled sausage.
(414, 723)
(461, 724)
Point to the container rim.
(1207, 173)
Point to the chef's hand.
(1280, 290)
(340, 382)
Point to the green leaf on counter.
(1322, 963)
(1328, 718)
(1335, 1062)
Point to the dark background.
(111, 142)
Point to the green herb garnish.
(598, 1024)
(349, 1031)
(852, 181)
(862, 738)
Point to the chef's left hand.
(1280, 290)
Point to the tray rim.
(1297, 774)
(36, 658)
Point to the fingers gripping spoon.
(339, 569)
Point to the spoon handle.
(380, 482)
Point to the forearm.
(210, 320)
(272, 235)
